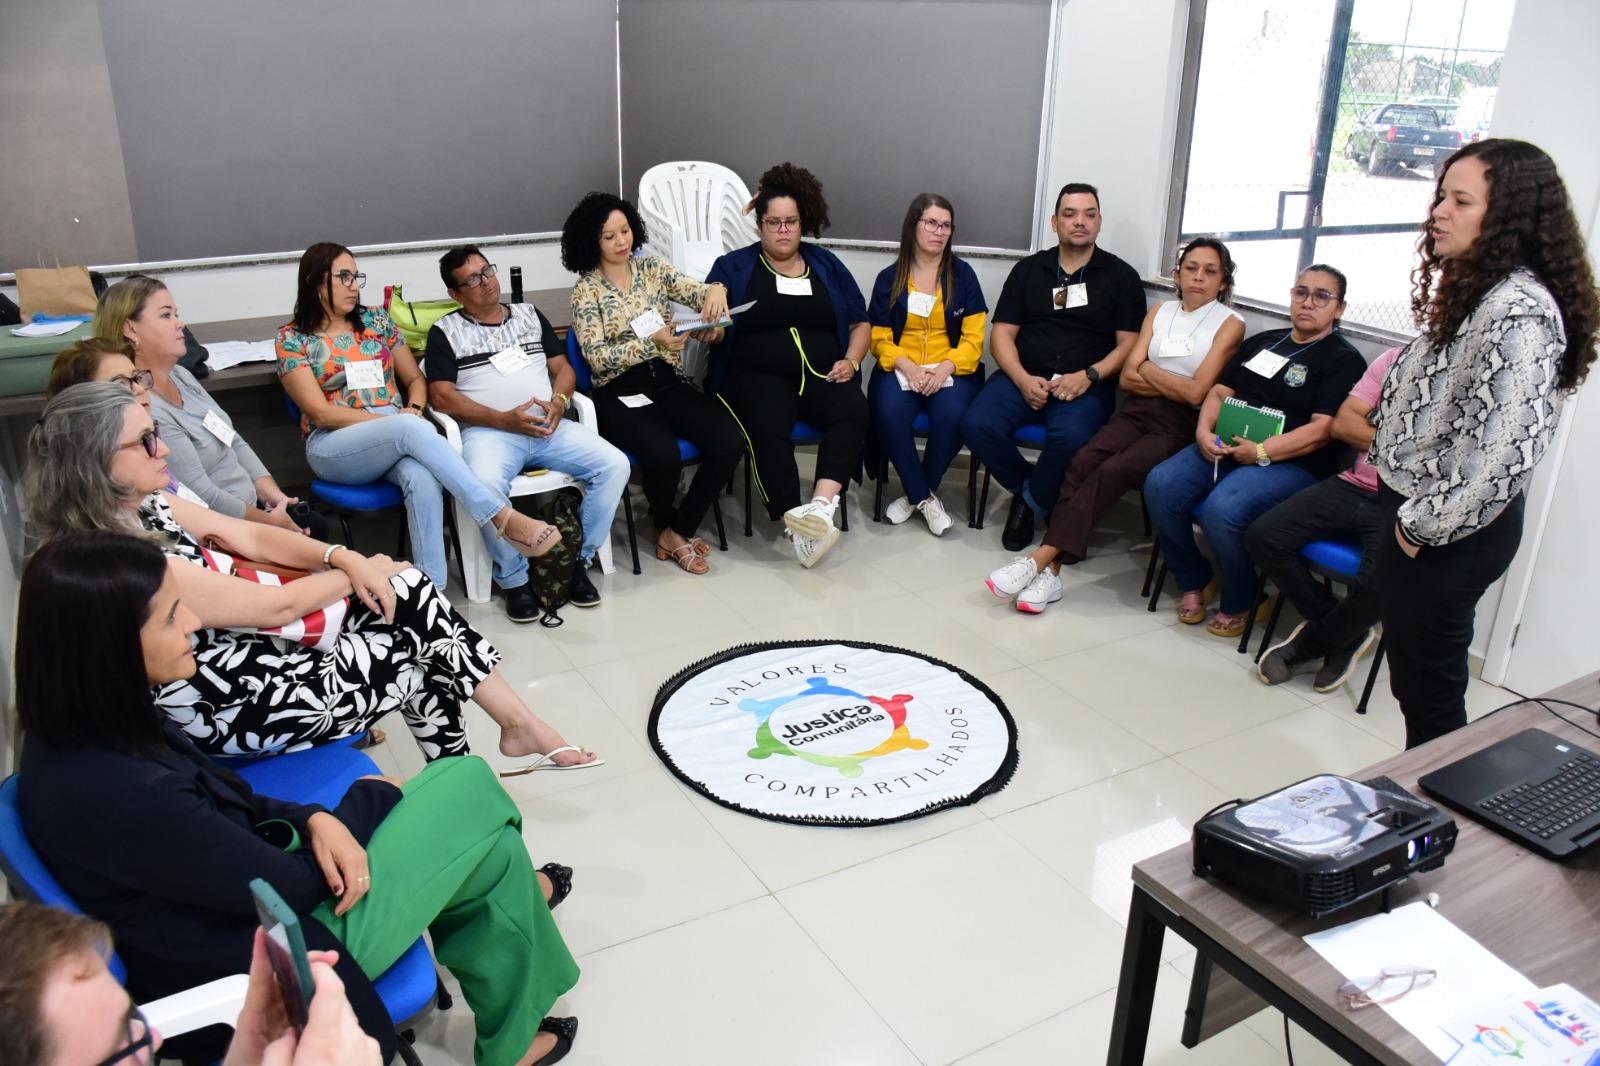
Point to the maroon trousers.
(1147, 431)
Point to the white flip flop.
(544, 762)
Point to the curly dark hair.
(1529, 223)
(799, 185)
(580, 233)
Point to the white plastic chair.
(694, 212)
(475, 562)
(215, 1003)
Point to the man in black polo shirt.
(1065, 321)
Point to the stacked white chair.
(694, 212)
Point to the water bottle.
(516, 285)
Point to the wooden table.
(1542, 918)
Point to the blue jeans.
(894, 409)
(1000, 411)
(497, 456)
(409, 452)
(1240, 496)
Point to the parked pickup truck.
(1392, 136)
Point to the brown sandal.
(688, 560)
(1192, 613)
(538, 541)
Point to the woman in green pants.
(149, 836)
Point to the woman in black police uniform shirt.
(1304, 371)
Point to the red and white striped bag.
(317, 630)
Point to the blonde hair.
(123, 301)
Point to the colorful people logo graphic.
(849, 765)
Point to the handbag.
(413, 320)
(318, 630)
(58, 290)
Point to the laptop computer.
(1534, 787)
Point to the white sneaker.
(808, 551)
(1013, 577)
(899, 510)
(812, 519)
(933, 511)
(1041, 592)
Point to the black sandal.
(564, 1030)
(560, 882)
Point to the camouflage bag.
(550, 574)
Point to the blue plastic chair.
(1332, 560)
(367, 500)
(686, 451)
(409, 989)
(802, 435)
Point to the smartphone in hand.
(286, 950)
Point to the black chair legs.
(633, 532)
(1372, 677)
(1250, 619)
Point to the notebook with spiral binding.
(1240, 419)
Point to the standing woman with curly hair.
(622, 315)
(794, 355)
(1506, 300)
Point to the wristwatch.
(1092, 374)
(1262, 458)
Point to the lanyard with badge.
(513, 357)
(787, 286)
(1182, 347)
(1070, 294)
(1267, 362)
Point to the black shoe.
(560, 882)
(582, 593)
(1289, 657)
(564, 1030)
(521, 607)
(1341, 663)
(1018, 533)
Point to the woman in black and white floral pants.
(97, 462)
(1506, 300)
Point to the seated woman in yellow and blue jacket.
(927, 317)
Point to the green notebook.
(1240, 419)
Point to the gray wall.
(881, 100)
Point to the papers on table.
(47, 329)
(1471, 978)
(229, 354)
(691, 321)
(1553, 1027)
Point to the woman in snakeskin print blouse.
(1505, 299)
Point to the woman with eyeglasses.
(1303, 373)
(794, 356)
(927, 315)
(1505, 300)
(1182, 348)
(209, 455)
(361, 397)
(622, 316)
(145, 833)
(95, 461)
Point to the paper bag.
(56, 290)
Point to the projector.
(1323, 843)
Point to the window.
(1313, 128)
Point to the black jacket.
(163, 850)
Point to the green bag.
(413, 320)
(550, 574)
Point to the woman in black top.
(794, 356)
(1305, 372)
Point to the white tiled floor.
(991, 934)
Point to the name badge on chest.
(1267, 364)
(220, 429)
(648, 324)
(1175, 348)
(364, 374)
(510, 361)
(919, 303)
(1071, 295)
(793, 286)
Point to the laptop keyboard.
(1545, 809)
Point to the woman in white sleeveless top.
(1182, 348)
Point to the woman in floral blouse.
(1506, 301)
(362, 396)
(622, 313)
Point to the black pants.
(1427, 605)
(649, 435)
(1332, 509)
(767, 407)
